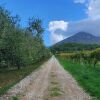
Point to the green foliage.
(84, 57)
(87, 77)
(95, 55)
(35, 26)
(9, 78)
(20, 47)
(72, 47)
(15, 98)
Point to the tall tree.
(35, 26)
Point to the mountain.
(82, 37)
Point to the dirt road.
(49, 82)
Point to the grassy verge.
(11, 77)
(87, 77)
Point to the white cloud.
(61, 29)
(88, 25)
(79, 1)
(56, 37)
(93, 9)
(53, 25)
(57, 28)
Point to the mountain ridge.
(81, 37)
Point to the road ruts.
(49, 82)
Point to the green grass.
(15, 98)
(9, 78)
(87, 77)
(55, 91)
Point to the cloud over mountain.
(57, 28)
(62, 29)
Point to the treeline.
(20, 46)
(85, 57)
(72, 47)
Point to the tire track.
(49, 82)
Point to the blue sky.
(48, 11)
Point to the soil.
(49, 82)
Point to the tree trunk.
(95, 62)
(18, 67)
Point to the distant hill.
(72, 47)
(82, 37)
(78, 42)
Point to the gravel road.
(49, 82)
